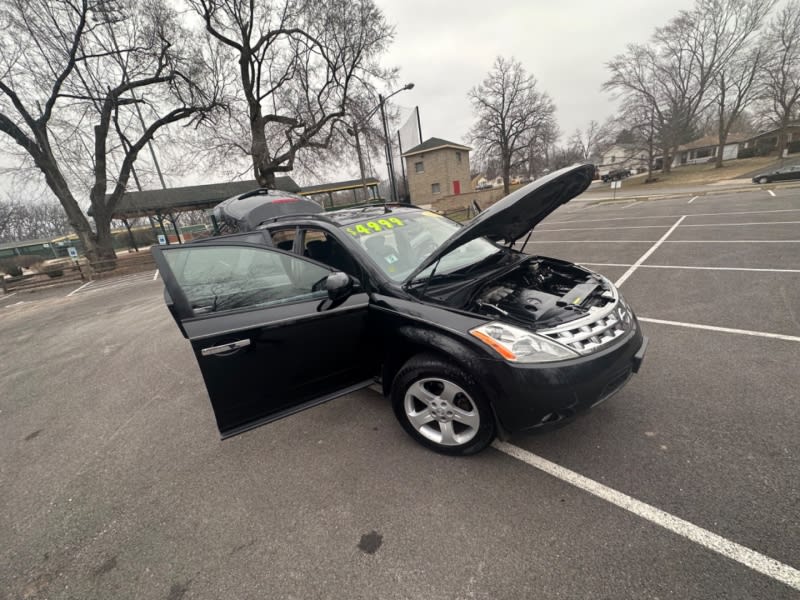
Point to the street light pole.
(389, 165)
(354, 129)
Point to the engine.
(543, 291)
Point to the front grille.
(585, 337)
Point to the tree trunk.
(266, 178)
(258, 149)
(722, 134)
(80, 224)
(666, 159)
(782, 135)
(102, 256)
(723, 138)
(506, 175)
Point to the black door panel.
(266, 338)
(298, 356)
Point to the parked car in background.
(470, 338)
(782, 174)
(615, 175)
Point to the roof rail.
(320, 216)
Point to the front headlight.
(518, 345)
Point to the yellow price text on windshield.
(375, 226)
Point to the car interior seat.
(320, 250)
(332, 254)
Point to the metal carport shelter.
(166, 203)
(324, 194)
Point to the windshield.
(399, 244)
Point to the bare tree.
(510, 110)
(298, 63)
(85, 84)
(590, 142)
(8, 209)
(542, 148)
(673, 74)
(782, 69)
(32, 219)
(736, 88)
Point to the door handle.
(225, 348)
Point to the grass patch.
(699, 174)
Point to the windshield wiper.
(433, 273)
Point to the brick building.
(437, 168)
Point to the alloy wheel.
(441, 411)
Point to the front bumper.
(537, 395)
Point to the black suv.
(470, 338)
(616, 175)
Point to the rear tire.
(442, 407)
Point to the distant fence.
(484, 198)
(72, 272)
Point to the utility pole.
(389, 165)
(354, 131)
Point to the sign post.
(614, 186)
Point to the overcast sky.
(447, 47)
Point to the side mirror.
(339, 286)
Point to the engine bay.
(543, 291)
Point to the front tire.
(442, 407)
(763, 180)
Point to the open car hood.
(519, 212)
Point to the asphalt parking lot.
(684, 485)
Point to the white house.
(705, 149)
(622, 156)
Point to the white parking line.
(750, 558)
(665, 226)
(123, 281)
(75, 291)
(155, 275)
(771, 193)
(116, 285)
(9, 295)
(733, 241)
(742, 212)
(589, 264)
(692, 200)
(666, 242)
(775, 336)
(647, 254)
(634, 203)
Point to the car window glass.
(323, 247)
(399, 243)
(283, 238)
(218, 278)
